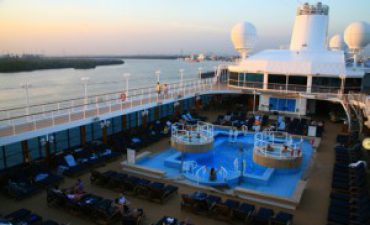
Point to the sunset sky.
(90, 27)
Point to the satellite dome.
(357, 35)
(243, 36)
(336, 42)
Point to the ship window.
(151, 115)
(98, 133)
(110, 127)
(13, 154)
(2, 158)
(233, 78)
(254, 77)
(139, 119)
(133, 120)
(74, 137)
(35, 148)
(61, 140)
(117, 124)
(282, 104)
(298, 80)
(353, 84)
(277, 79)
(330, 82)
(89, 132)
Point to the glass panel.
(110, 128)
(34, 148)
(117, 124)
(277, 79)
(299, 80)
(61, 141)
(273, 103)
(74, 137)
(98, 133)
(2, 159)
(254, 77)
(14, 154)
(89, 133)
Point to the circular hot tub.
(192, 138)
(277, 150)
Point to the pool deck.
(312, 209)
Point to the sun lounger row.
(25, 216)
(93, 207)
(28, 180)
(349, 199)
(139, 187)
(212, 205)
(167, 220)
(78, 161)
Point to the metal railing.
(17, 120)
(199, 133)
(277, 145)
(288, 88)
(50, 114)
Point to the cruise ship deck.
(276, 137)
(312, 209)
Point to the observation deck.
(17, 124)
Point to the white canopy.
(325, 63)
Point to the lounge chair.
(244, 212)
(106, 212)
(21, 188)
(223, 210)
(24, 216)
(167, 220)
(263, 216)
(134, 217)
(50, 222)
(282, 218)
(188, 202)
(70, 167)
(161, 192)
(91, 160)
(99, 178)
(117, 180)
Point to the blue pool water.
(225, 154)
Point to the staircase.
(360, 105)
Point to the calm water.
(49, 85)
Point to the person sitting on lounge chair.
(75, 196)
(78, 188)
(122, 204)
(56, 189)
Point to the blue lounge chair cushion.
(70, 160)
(284, 217)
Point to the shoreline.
(29, 64)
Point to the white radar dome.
(244, 36)
(357, 35)
(336, 42)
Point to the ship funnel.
(310, 28)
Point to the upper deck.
(27, 122)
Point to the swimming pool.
(233, 161)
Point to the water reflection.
(51, 85)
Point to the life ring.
(123, 97)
